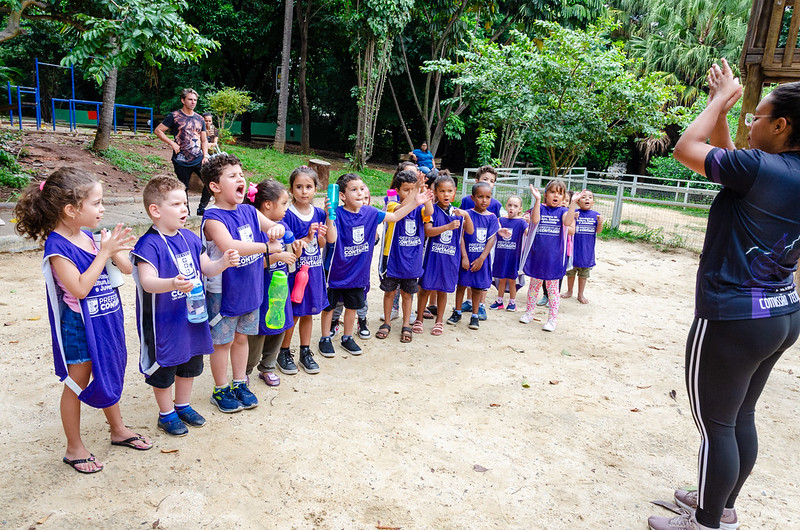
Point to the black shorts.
(353, 298)
(407, 285)
(164, 377)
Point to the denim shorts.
(223, 331)
(73, 337)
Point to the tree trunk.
(372, 70)
(103, 136)
(304, 21)
(283, 101)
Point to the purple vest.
(442, 255)
(547, 258)
(243, 285)
(507, 251)
(352, 252)
(315, 298)
(486, 226)
(406, 250)
(289, 316)
(166, 336)
(102, 316)
(585, 238)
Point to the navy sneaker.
(326, 348)
(225, 401)
(286, 362)
(482, 312)
(363, 331)
(473, 322)
(497, 304)
(351, 346)
(454, 319)
(466, 307)
(189, 416)
(307, 361)
(243, 394)
(172, 424)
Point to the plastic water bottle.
(277, 294)
(196, 303)
(115, 278)
(300, 282)
(288, 239)
(333, 199)
(391, 195)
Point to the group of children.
(254, 235)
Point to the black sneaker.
(363, 332)
(307, 361)
(351, 346)
(334, 327)
(326, 347)
(473, 322)
(286, 362)
(455, 318)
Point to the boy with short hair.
(589, 223)
(234, 297)
(353, 233)
(169, 261)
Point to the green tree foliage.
(228, 103)
(565, 90)
(684, 37)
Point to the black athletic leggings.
(727, 366)
(184, 174)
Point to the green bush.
(11, 173)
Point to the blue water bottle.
(333, 199)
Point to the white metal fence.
(670, 211)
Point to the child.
(476, 272)
(168, 262)
(353, 233)
(508, 249)
(565, 200)
(486, 174)
(272, 200)
(307, 222)
(86, 322)
(361, 314)
(589, 223)
(234, 297)
(442, 252)
(404, 251)
(546, 261)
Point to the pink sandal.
(418, 327)
(438, 329)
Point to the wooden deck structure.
(763, 61)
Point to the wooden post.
(323, 170)
(750, 99)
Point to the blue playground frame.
(72, 102)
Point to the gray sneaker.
(681, 522)
(688, 501)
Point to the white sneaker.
(688, 501)
(550, 325)
(395, 314)
(526, 318)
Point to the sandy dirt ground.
(441, 433)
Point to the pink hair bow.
(251, 192)
(41, 185)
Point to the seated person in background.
(423, 158)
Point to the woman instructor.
(746, 304)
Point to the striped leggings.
(727, 366)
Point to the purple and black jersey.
(547, 258)
(352, 252)
(486, 226)
(508, 250)
(166, 336)
(752, 241)
(584, 239)
(442, 255)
